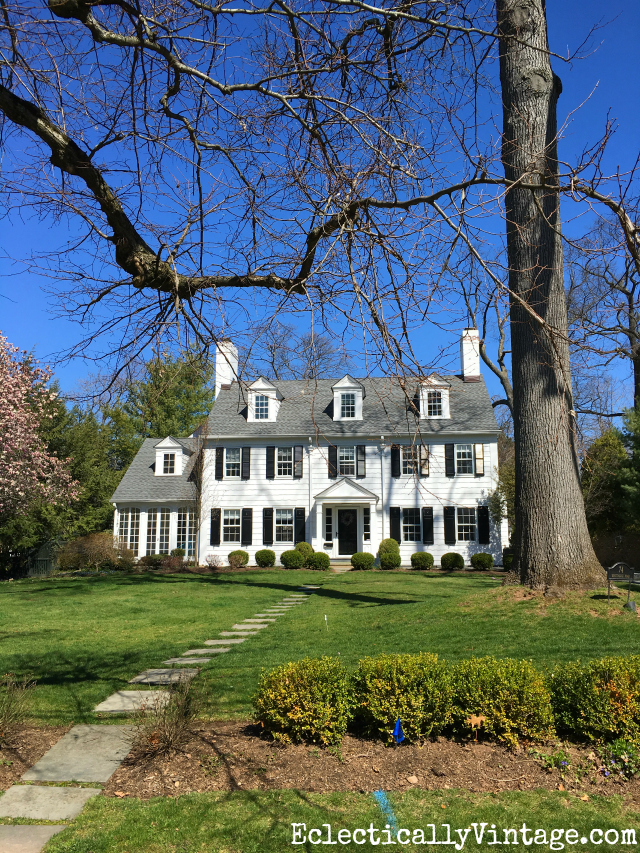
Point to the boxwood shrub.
(599, 700)
(238, 558)
(416, 688)
(304, 548)
(389, 554)
(362, 561)
(152, 561)
(421, 560)
(451, 560)
(388, 546)
(265, 558)
(308, 700)
(482, 561)
(318, 562)
(511, 694)
(292, 559)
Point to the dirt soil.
(234, 756)
(23, 749)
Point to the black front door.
(347, 531)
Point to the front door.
(347, 531)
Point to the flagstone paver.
(195, 652)
(40, 802)
(268, 613)
(164, 676)
(125, 701)
(238, 634)
(26, 839)
(185, 661)
(87, 753)
(223, 642)
(257, 621)
(254, 627)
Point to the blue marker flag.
(398, 734)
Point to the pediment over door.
(346, 490)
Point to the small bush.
(451, 560)
(422, 560)
(482, 561)
(599, 700)
(15, 704)
(173, 564)
(304, 548)
(388, 546)
(390, 561)
(308, 700)
(362, 561)
(238, 558)
(292, 559)
(177, 552)
(152, 561)
(510, 694)
(265, 558)
(415, 688)
(94, 552)
(165, 724)
(620, 758)
(213, 561)
(319, 562)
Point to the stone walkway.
(92, 753)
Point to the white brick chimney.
(470, 355)
(226, 364)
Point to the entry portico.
(345, 513)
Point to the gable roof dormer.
(171, 457)
(434, 398)
(264, 401)
(348, 395)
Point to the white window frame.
(466, 524)
(345, 463)
(261, 407)
(347, 405)
(467, 459)
(412, 524)
(129, 528)
(437, 387)
(409, 459)
(433, 399)
(231, 522)
(186, 531)
(168, 462)
(282, 471)
(235, 463)
(284, 526)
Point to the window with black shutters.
(466, 524)
(284, 525)
(411, 524)
(232, 462)
(285, 462)
(231, 525)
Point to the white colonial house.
(340, 463)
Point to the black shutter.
(246, 534)
(219, 463)
(449, 460)
(395, 461)
(271, 463)
(361, 461)
(214, 537)
(246, 463)
(297, 462)
(450, 525)
(333, 461)
(484, 536)
(394, 524)
(267, 526)
(299, 525)
(427, 525)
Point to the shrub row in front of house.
(318, 700)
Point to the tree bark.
(552, 547)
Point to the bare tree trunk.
(552, 545)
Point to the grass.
(260, 822)
(83, 639)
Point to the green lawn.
(83, 639)
(260, 822)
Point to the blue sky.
(606, 81)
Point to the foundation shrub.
(482, 561)
(510, 694)
(292, 559)
(309, 700)
(422, 560)
(362, 561)
(94, 552)
(305, 549)
(389, 554)
(416, 688)
(265, 558)
(319, 562)
(177, 552)
(599, 700)
(451, 560)
(152, 561)
(238, 559)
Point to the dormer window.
(169, 463)
(434, 404)
(348, 395)
(264, 401)
(261, 407)
(434, 398)
(171, 458)
(347, 405)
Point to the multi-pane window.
(232, 462)
(129, 528)
(434, 404)
(366, 524)
(169, 463)
(261, 407)
(411, 525)
(409, 459)
(346, 461)
(466, 524)
(152, 530)
(231, 525)
(285, 462)
(186, 538)
(328, 524)
(163, 541)
(347, 405)
(464, 458)
(284, 525)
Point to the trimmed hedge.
(179, 552)
(362, 561)
(388, 546)
(292, 559)
(304, 548)
(416, 688)
(482, 561)
(308, 700)
(319, 562)
(153, 561)
(451, 560)
(238, 558)
(422, 560)
(265, 558)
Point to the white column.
(142, 535)
(317, 545)
(382, 495)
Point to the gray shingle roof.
(307, 409)
(140, 482)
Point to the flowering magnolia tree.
(28, 472)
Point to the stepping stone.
(221, 642)
(308, 586)
(164, 676)
(269, 613)
(126, 701)
(298, 595)
(42, 802)
(193, 652)
(185, 661)
(26, 839)
(243, 627)
(238, 633)
(84, 754)
(257, 621)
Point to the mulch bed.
(23, 749)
